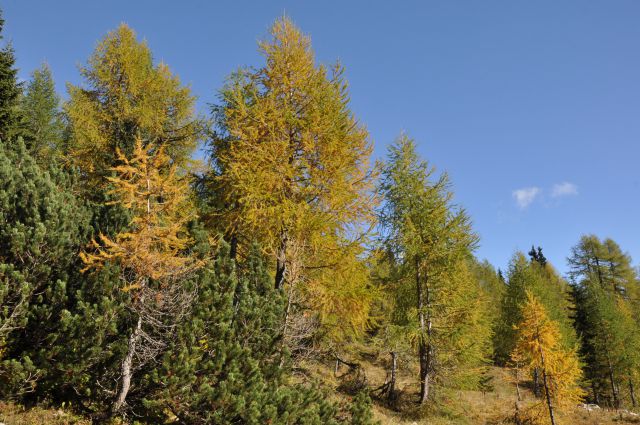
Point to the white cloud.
(564, 189)
(525, 196)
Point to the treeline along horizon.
(137, 283)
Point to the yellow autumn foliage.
(539, 347)
(157, 197)
(127, 95)
(294, 175)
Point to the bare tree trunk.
(536, 382)
(281, 261)
(126, 368)
(632, 393)
(614, 388)
(517, 371)
(516, 416)
(233, 246)
(546, 389)
(423, 352)
(392, 383)
(285, 329)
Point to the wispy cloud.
(525, 196)
(564, 189)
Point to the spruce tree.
(10, 89)
(43, 122)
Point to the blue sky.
(532, 107)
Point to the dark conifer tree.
(225, 364)
(42, 226)
(10, 117)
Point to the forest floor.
(11, 414)
(462, 407)
(494, 407)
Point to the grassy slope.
(11, 414)
(461, 407)
(458, 408)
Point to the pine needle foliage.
(291, 170)
(438, 302)
(127, 96)
(158, 199)
(539, 346)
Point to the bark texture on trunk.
(614, 387)
(127, 367)
(425, 350)
(281, 261)
(546, 390)
(392, 382)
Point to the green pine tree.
(43, 123)
(361, 413)
(42, 227)
(607, 319)
(225, 364)
(10, 89)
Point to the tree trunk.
(614, 388)
(423, 352)
(517, 371)
(233, 247)
(285, 329)
(546, 389)
(281, 261)
(126, 367)
(536, 382)
(632, 393)
(596, 396)
(545, 381)
(392, 383)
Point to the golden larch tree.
(126, 95)
(292, 172)
(539, 347)
(152, 252)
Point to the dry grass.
(457, 408)
(11, 414)
(460, 407)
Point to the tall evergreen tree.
(10, 89)
(606, 318)
(429, 239)
(43, 122)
